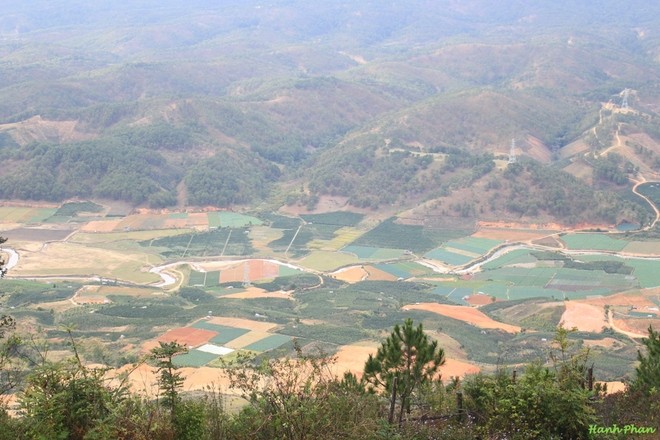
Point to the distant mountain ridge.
(241, 102)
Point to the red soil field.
(479, 299)
(256, 270)
(467, 314)
(584, 317)
(188, 336)
(379, 275)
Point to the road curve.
(13, 257)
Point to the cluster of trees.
(103, 168)
(227, 179)
(613, 168)
(535, 189)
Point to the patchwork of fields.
(231, 283)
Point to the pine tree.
(648, 371)
(407, 356)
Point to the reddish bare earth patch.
(479, 299)
(638, 326)
(379, 275)
(509, 234)
(144, 379)
(243, 323)
(351, 274)
(255, 292)
(188, 336)
(466, 314)
(456, 368)
(584, 317)
(101, 226)
(353, 357)
(634, 299)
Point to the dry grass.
(243, 323)
(247, 339)
(68, 259)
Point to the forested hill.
(163, 103)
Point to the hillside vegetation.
(159, 104)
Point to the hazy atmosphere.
(305, 219)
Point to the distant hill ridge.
(397, 104)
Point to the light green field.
(89, 238)
(223, 219)
(20, 214)
(517, 256)
(327, 261)
(343, 237)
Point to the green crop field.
(474, 245)
(593, 241)
(518, 256)
(339, 218)
(203, 244)
(90, 238)
(268, 343)
(342, 237)
(327, 261)
(646, 271)
(224, 219)
(405, 269)
(194, 358)
(372, 253)
(14, 214)
(72, 209)
(225, 333)
(39, 215)
(389, 234)
(197, 278)
(448, 257)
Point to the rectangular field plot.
(194, 358)
(474, 245)
(215, 349)
(646, 271)
(594, 241)
(448, 257)
(36, 234)
(339, 218)
(188, 336)
(231, 241)
(269, 343)
(19, 214)
(643, 247)
(518, 256)
(197, 278)
(404, 269)
(326, 260)
(372, 253)
(225, 333)
(222, 219)
(342, 237)
(536, 277)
